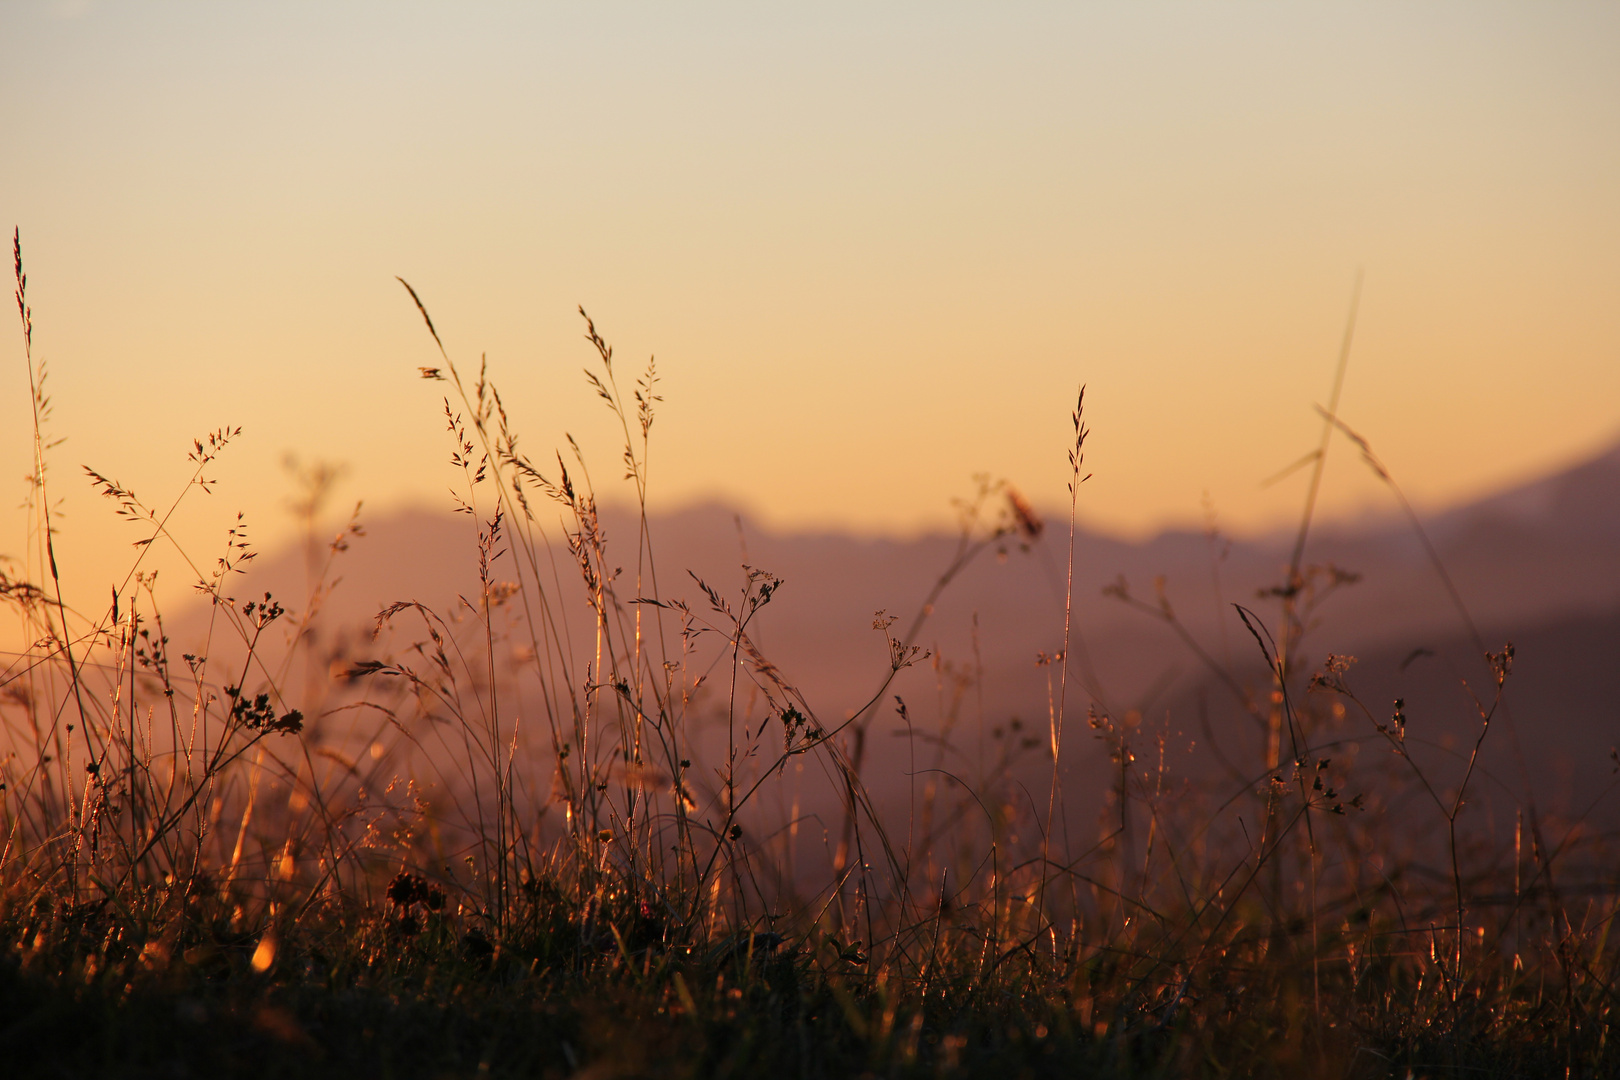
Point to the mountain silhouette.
(1538, 565)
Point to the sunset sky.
(875, 248)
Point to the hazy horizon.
(875, 253)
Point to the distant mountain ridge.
(1581, 500)
(1539, 563)
(1531, 555)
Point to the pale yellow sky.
(874, 247)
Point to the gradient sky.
(874, 247)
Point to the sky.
(875, 249)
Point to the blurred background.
(875, 251)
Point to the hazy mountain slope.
(1539, 564)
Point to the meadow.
(555, 829)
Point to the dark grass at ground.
(81, 995)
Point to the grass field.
(507, 840)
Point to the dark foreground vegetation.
(508, 840)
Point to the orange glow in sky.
(875, 248)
